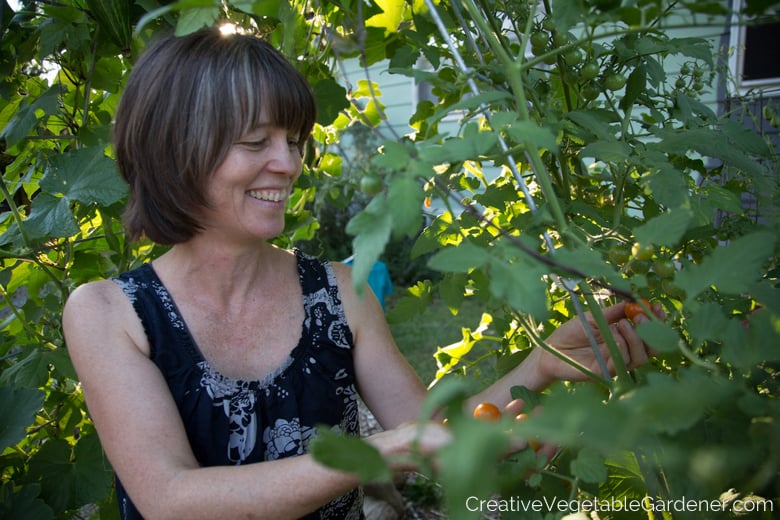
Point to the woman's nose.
(285, 157)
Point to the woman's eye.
(254, 144)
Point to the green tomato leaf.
(732, 268)
(405, 198)
(659, 335)
(665, 229)
(18, 407)
(532, 134)
(194, 18)
(566, 13)
(693, 393)
(371, 229)
(459, 259)
(350, 454)
(589, 466)
(667, 185)
(520, 284)
(607, 151)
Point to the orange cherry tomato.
(533, 443)
(634, 309)
(487, 412)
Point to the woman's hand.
(571, 340)
(401, 446)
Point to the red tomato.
(634, 309)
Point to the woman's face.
(248, 192)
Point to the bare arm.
(387, 383)
(144, 438)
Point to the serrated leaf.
(731, 268)
(24, 502)
(86, 175)
(635, 86)
(567, 13)
(460, 259)
(72, 476)
(530, 398)
(50, 217)
(405, 198)
(667, 186)
(520, 285)
(394, 155)
(692, 394)
(596, 121)
(589, 466)
(331, 100)
(350, 454)
(26, 118)
(722, 198)
(532, 134)
(659, 335)
(18, 407)
(371, 229)
(607, 151)
(666, 229)
(194, 18)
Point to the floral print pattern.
(231, 421)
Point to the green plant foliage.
(559, 137)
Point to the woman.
(207, 370)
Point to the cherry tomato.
(487, 412)
(619, 254)
(533, 443)
(664, 267)
(572, 57)
(634, 309)
(589, 93)
(539, 39)
(642, 251)
(589, 71)
(370, 184)
(615, 81)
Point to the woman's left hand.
(572, 340)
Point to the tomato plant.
(514, 179)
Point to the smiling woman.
(209, 370)
(224, 87)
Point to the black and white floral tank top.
(231, 421)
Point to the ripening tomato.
(487, 412)
(643, 251)
(532, 443)
(634, 309)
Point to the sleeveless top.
(231, 421)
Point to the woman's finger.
(637, 350)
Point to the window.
(753, 53)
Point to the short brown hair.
(188, 99)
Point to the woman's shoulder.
(100, 309)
